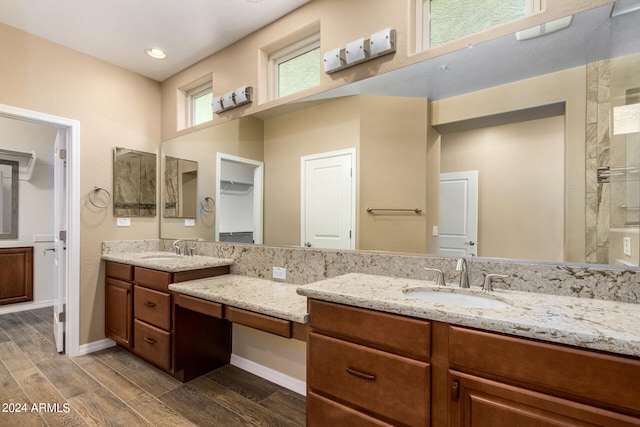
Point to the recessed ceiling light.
(156, 53)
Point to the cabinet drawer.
(154, 279)
(259, 321)
(387, 331)
(152, 344)
(571, 372)
(323, 412)
(385, 384)
(198, 305)
(119, 271)
(152, 306)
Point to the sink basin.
(456, 299)
(168, 257)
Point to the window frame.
(191, 96)
(423, 21)
(285, 54)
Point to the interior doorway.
(239, 199)
(66, 224)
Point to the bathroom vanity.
(370, 364)
(141, 316)
(176, 312)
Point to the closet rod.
(416, 210)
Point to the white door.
(459, 213)
(60, 229)
(328, 200)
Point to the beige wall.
(392, 175)
(566, 87)
(520, 193)
(329, 126)
(115, 108)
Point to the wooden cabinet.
(16, 279)
(364, 376)
(367, 368)
(140, 314)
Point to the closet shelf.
(235, 187)
(26, 160)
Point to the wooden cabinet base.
(202, 343)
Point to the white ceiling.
(119, 31)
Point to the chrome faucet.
(185, 251)
(461, 266)
(488, 286)
(440, 279)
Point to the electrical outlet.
(123, 222)
(626, 245)
(435, 230)
(189, 222)
(279, 273)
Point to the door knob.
(470, 243)
(308, 244)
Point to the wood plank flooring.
(39, 387)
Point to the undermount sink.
(456, 299)
(167, 257)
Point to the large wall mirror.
(180, 188)
(540, 121)
(134, 183)
(8, 199)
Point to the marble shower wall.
(609, 83)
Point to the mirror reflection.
(180, 187)
(8, 199)
(134, 183)
(555, 181)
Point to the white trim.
(354, 199)
(269, 374)
(258, 194)
(72, 130)
(25, 306)
(94, 346)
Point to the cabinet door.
(478, 402)
(118, 310)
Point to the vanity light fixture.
(333, 60)
(360, 50)
(241, 96)
(156, 53)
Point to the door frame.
(258, 193)
(354, 199)
(71, 130)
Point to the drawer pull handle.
(361, 374)
(149, 304)
(150, 340)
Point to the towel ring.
(208, 204)
(98, 189)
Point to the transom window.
(295, 68)
(440, 21)
(199, 104)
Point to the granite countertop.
(590, 323)
(167, 261)
(258, 295)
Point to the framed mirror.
(8, 199)
(134, 183)
(180, 188)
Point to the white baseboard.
(94, 346)
(24, 306)
(269, 374)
